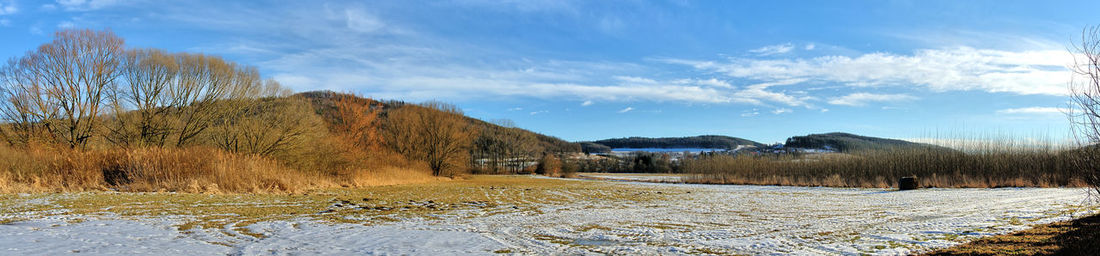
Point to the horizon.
(585, 71)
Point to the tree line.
(86, 111)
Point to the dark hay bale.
(908, 183)
(116, 175)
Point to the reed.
(963, 163)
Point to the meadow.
(529, 215)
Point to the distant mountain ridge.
(703, 141)
(847, 142)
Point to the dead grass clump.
(1076, 237)
(202, 170)
(392, 175)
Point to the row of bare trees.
(58, 89)
(505, 149)
(433, 132)
(86, 84)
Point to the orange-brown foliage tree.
(357, 121)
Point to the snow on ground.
(645, 177)
(297, 237)
(694, 219)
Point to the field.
(646, 177)
(529, 215)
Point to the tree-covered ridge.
(323, 102)
(704, 141)
(847, 142)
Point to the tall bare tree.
(25, 108)
(207, 89)
(1085, 110)
(61, 85)
(432, 132)
(142, 103)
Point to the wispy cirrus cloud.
(1028, 72)
(342, 46)
(1034, 110)
(627, 109)
(87, 5)
(773, 49)
(862, 98)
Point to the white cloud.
(539, 112)
(750, 113)
(360, 21)
(958, 69)
(8, 8)
(781, 111)
(337, 48)
(773, 49)
(862, 98)
(562, 6)
(1033, 110)
(86, 5)
(810, 47)
(707, 82)
(627, 109)
(66, 24)
(636, 80)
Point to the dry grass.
(196, 170)
(192, 170)
(392, 175)
(493, 194)
(1077, 237)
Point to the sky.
(589, 70)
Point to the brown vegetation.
(934, 167)
(197, 123)
(148, 169)
(1075, 237)
(433, 132)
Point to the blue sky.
(585, 70)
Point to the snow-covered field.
(646, 177)
(598, 217)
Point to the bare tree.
(1085, 110)
(207, 89)
(269, 127)
(25, 108)
(60, 86)
(432, 132)
(142, 104)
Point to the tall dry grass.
(978, 164)
(195, 170)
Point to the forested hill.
(545, 143)
(704, 141)
(514, 137)
(847, 142)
